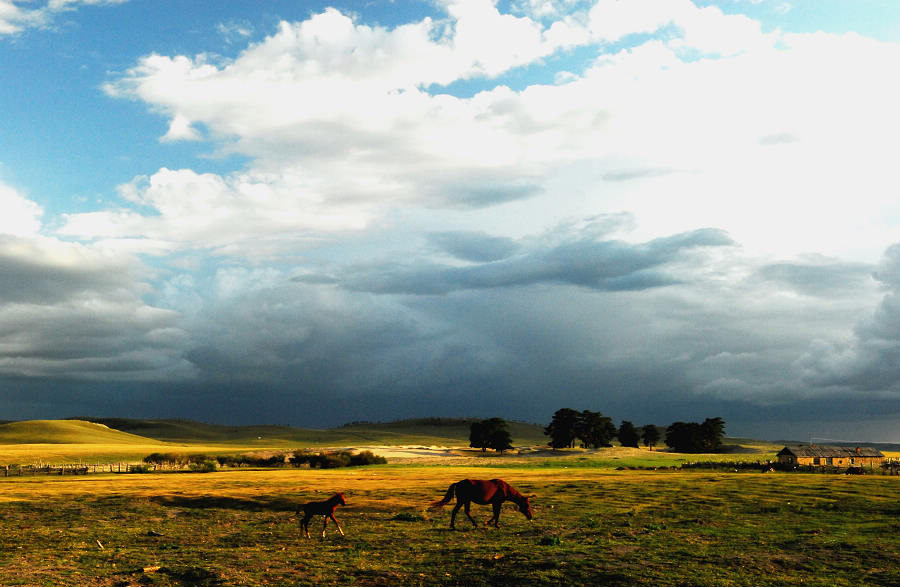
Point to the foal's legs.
(333, 519)
(304, 524)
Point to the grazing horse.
(321, 508)
(493, 492)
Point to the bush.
(140, 469)
(334, 460)
(366, 457)
(207, 466)
(160, 458)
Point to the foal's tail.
(448, 497)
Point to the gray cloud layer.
(601, 265)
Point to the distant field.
(418, 431)
(599, 521)
(593, 526)
(74, 441)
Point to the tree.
(628, 434)
(694, 437)
(478, 436)
(712, 429)
(683, 436)
(492, 433)
(500, 440)
(650, 435)
(563, 428)
(594, 429)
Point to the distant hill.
(187, 431)
(437, 431)
(522, 433)
(64, 432)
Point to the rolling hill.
(436, 431)
(65, 432)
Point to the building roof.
(822, 450)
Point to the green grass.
(593, 526)
(64, 432)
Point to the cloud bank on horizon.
(659, 209)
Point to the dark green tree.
(692, 437)
(628, 434)
(500, 440)
(650, 435)
(563, 428)
(478, 435)
(712, 431)
(492, 433)
(594, 429)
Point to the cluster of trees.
(492, 433)
(594, 430)
(694, 437)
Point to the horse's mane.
(515, 495)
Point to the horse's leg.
(333, 519)
(304, 524)
(453, 514)
(496, 519)
(324, 525)
(471, 519)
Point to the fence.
(70, 469)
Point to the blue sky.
(308, 213)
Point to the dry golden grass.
(592, 526)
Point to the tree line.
(569, 427)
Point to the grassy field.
(599, 520)
(592, 526)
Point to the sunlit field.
(592, 526)
(614, 516)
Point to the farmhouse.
(834, 456)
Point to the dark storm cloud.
(822, 278)
(869, 363)
(600, 265)
(68, 311)
(33, 271)
(474, 246)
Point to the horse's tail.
(448, 497)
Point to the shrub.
(366, 457)
(334, 460)
(159, 458)
(140, 469)
(207, 466)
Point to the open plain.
(597, 522)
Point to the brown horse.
(493, 492)
(321, 508)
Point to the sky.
(311, 213)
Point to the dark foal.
(321, 508)
(493, 492)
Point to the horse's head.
(525, 507)
(340, 498)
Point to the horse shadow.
(275, 504)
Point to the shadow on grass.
(194, 576)
(229, 503)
